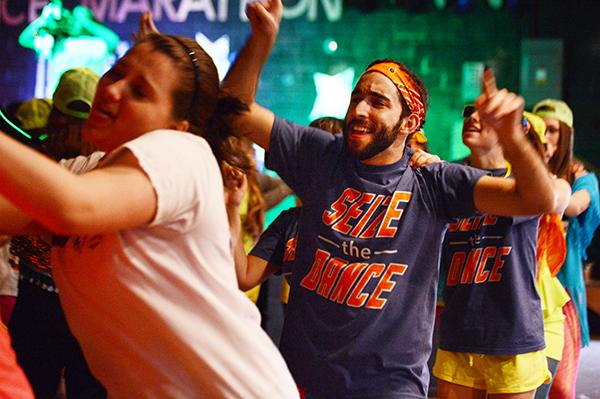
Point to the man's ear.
(182, 125)
(410, 124)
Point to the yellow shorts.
(493, 373)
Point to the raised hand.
(265, 17)
(145, 27)
(500, 110)
(236, 184)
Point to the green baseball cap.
(33, 114)
(75, 92)
(556, 109)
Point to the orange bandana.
(404, 83)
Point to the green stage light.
(330, 46)
(495, 4)
(440, 4)
(15, 127)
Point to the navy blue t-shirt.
(491, 302)
(277, 244)
(359, 321)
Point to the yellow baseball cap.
(75, 92)
(556, 109)
(33, 114)
(537, 124)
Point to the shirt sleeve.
(297, 153)
(451, 187)
(272, 242)
(183, 172)
(82, 164)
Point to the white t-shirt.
(156, 308)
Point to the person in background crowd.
(489, 292)
(551, 252)
(32, 117)
(583, 217)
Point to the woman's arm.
(563, 191)
(579, 202)
(116, 196)
(250, 270)
(14, 222)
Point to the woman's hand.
(236, 184)
(421, 158)
(146, 27)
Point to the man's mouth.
(359, 129)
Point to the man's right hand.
(265, 18)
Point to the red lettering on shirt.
(483, 274)
(495, 275)
(339, 206)
(470, 266)
(474, 269)
(353, 212)
(385, 285)
(290, 249)
(311, 280)
(358, 298)
(346, 281)
(347, 284)
(393, 213)
(332, 270)
(368, 214)
(456, 266)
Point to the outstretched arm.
(14, 222)
(581, 199)
(532, 191)
(250, 270)
(116, 196)
(578, 203)
(242, 79)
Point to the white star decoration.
(218, 51)
(333, 94)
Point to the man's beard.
(382, 139)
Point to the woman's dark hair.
(198, 98)
(255, 216)
(64, 137)
(561, 161)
